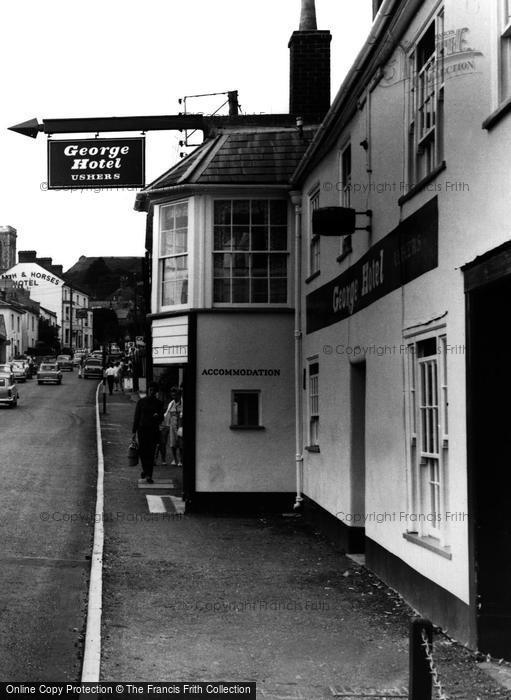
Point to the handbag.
(133, 454)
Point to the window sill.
(343, 256)
(422, 183)
(313, 276)
(428, 543)
(312, 448)
(497, 115)
(247, 427)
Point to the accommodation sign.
(404, 254)
(93, 163)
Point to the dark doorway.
(489, 462)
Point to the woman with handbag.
(174, 416)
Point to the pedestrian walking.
(146, 423)
(174, 416)
(110, 378)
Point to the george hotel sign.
(92, 163)
(404, 254)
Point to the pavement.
(265, 599)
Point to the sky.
(63, 59)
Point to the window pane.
(278, 265)
(240, 212)
(278, 291)
(259, 238)
(222, 238)
(241, 237)
(240, 265)
(260, 290)
(222, 265)
(259, 265)
(246, 409)
(259, 208)
(223, 212)
(222, 291)
(278, 238)
(278, 212)
(240, 291)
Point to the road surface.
(47, 500)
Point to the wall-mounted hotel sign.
(407, 252)
(93, 163)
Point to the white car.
(8, 390)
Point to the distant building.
(7, 248)
(47, 285)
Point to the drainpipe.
(296, 200)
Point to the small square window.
(246, 407)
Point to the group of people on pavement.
(156, 428)
(115, 374)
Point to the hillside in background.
(102, 277)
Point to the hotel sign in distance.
(93, 163)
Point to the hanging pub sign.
(93, 163)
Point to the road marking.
(92, 650)
(155, 504)
(165, 504)
(178, 503)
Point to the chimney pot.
(308, 16)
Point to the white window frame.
(425, 103)
(504, 57)
(250, 251)
(427, 435)
(345, 180)
(313, 396)
(314, 240)
(181, 254)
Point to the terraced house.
(405, 286)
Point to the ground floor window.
(428, 427)
(313, 388)
(246, 409)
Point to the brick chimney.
(57, 270)
(309, 87)
(45, 262)
(26, 256)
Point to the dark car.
(65, 362)
(93, 367)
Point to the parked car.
(6, 368)
(8, 390)
(93, 367)
(49, 372)
(65, 362)
(20, 370)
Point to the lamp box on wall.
(333, 221)
(93, 163)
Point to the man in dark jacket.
(146, 424)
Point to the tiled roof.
(240, 157)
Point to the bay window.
(250, 251)
(173, 254)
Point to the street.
(48, 465)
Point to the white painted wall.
(245, 460)
(472, 220)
